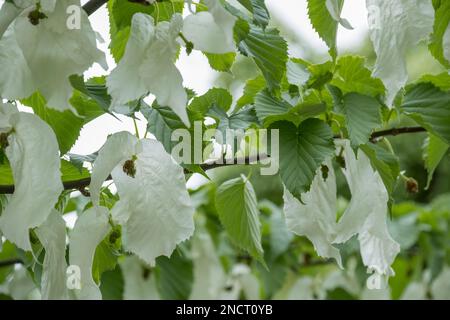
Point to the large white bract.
(211, 31)
(396, 27)
(148, 66)
(52, 235)
(90, 229)
(42, 57)
(154, 209)
(33, 154)
(365, 216)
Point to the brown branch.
(93, 6)
(83, 183)
(395, 132)
(10, 262)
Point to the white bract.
(52, 235)
(42, 57)
(154, 209)
(209, 276)
(365, 216)
(90, 229)
(317, 218)
(396, 27)
(33, 154)
(211, 31)
(148, 66)
(137, 285)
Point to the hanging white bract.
(33, 154)
(41, 50)
(365, 216)
(148, 66)
(211, 31)
(317, 218)
(395, 27)
(52, 235)
(154, 209)
(90, 229)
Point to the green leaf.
(297, 72)
(162, 121)
(69, 173)
(441, 23)
(105, 258)
(269, 51)
(66, 125)
(236, 204)
(351, 75)
(433, 152)
(123, 11)
(270, 109)
(174, 276)
(302, 150)
(112, 284)
(442, 80)
(221, 62)
(215, 96)
(252, 87)
(94, 89)
(362, 116)
(430, 107)
(386, 163)
(242, 119)
(324, 24)
(321, 74)
(259, 10)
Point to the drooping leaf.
(433, 152)
(269, 51)
(440, 39)
(324, 23)
(302, 150)
(362, 116)
(259, 10)
(236, 204)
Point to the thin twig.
(93, 6)
(81, 184)
(10, 262)
(396, 132)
